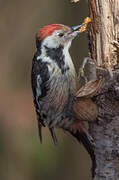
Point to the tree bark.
(104, 49)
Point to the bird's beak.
(77, 28)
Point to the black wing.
(39, 78)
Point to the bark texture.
(104, 49)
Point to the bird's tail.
(53, 136)
(40, 131)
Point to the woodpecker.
(55, 83)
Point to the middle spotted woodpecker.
(55, 83)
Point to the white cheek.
(68, 59)
(51, 42)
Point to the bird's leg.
(78, 125)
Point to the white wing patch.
(38, 90)
(38, 57)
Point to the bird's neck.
(58, 56)
(60, 67)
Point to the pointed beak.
(76, 28)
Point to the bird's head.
(55, 35)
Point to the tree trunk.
(104, 49)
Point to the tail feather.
(53, 136)
(40, 132)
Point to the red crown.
(47, 30)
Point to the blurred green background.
(22, 157)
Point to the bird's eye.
(61, 34)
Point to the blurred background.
(22, 157)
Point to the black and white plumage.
(54, 82)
